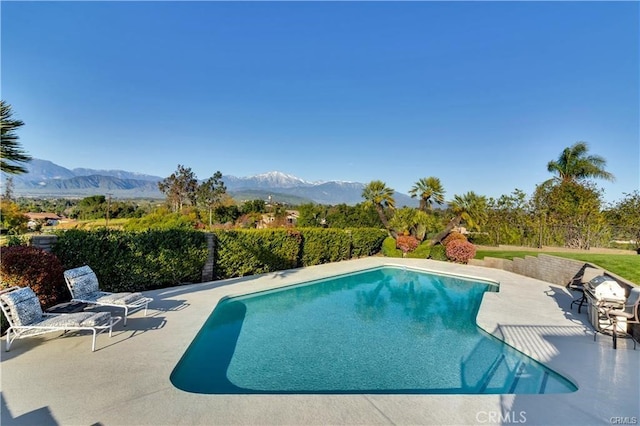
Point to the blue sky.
(480, 94)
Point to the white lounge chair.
(22, 309)
(83, 285)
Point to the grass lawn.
(625, 265)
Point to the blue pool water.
(383, 330)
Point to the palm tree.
(574, 164)
(10, 150)
(470, 207)
(430, 191)
(378, 194)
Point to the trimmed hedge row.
(138, 261)
(248, 252)
(254, 251)
(135, 261)
(324, 246)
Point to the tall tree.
(180, 188)
(574, 164)
(510, 220)
(569, 213)
(210, 193)
(8, 189)
(10, 150)
(409, 221)
(379, 195)
(470, 208)
(430, 191)
(624, 216)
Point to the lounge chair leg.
(9, 339)
(93, 344)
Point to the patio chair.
(21, 307)
(629, 313)
(83, 285)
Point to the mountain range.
(47, 179)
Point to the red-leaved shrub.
(27, 266)
(460, 251)
(453, 236)
(407, 243)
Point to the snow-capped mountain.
(268, 180)
(51, 180)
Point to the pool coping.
(126, 381)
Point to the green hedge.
(324, 246)
(366, 241)
(135, 261)
(138, 261)
(255, 251)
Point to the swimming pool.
(391, 330)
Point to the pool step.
(543, 384)
(505, 376)
(492, 371)
(519, 374)
(529, 378)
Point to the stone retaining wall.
(552, 269)
(44, 242)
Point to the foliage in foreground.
(27, 266)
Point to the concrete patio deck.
(58, 380)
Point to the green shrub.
(135, 261)
(255, 251)
(366, 241)
(389, 248)
(14, 240)
(169, 257)
(324, 246)
(27, 266)
(438, 253)
(422, 252)
(460, 251)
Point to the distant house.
(292, 217)
(269, 220)
(46, 219)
